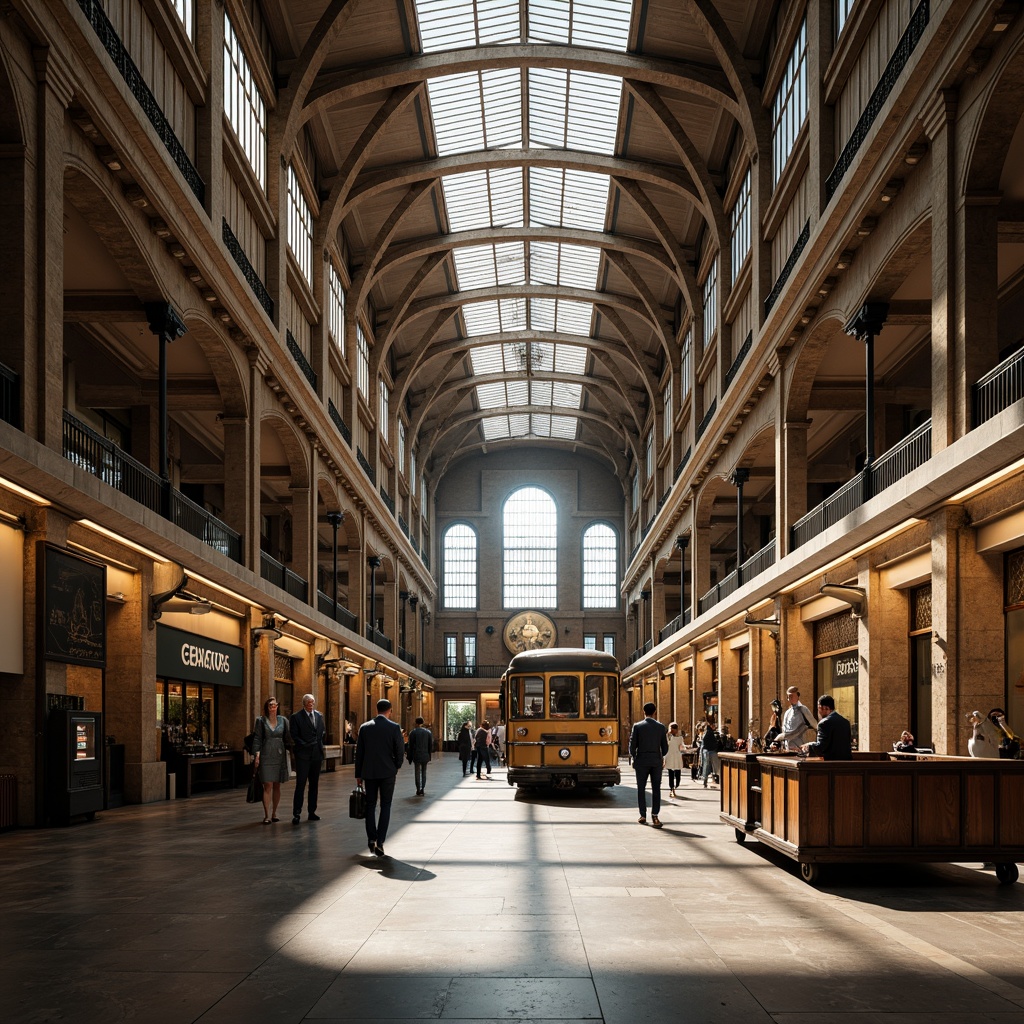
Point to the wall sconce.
(261, 631)
(489, 631)
(771, 625)
(855, 597)
(177, 599)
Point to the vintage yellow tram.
(561, 715)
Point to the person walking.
(674, 758)
(308, 730)
(421, 746)
(270, 739)
(379, 754)
(648, 745)
(465, 742)
(709, 748)
(482, 748)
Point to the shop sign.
(845, 667)
(197, 659)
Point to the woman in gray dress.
(270, 738)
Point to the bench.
(878, 809)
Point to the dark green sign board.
(197, 659)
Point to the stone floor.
(492, 905)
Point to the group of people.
(476, 748)
(654, 748)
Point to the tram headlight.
(521, 731)
(565, 753)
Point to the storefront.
(837, 664)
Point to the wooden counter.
(878, 809)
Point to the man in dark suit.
(307, 728)
(835, 740)
(379, 753)
(421, 746)
(648, 745)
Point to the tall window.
(300, 227)
(469, 651)
(385, 407)
(686, 364)
(609, 643)
(337, 311)
(412, 471)
(740, 224)
(666, 403)
(530, 523)
(600, 563)
(843, 9)
(451, 652)
(244, 105)
(401, 447)
(362, 363)
(459, 566)
(184, 10)
(635, 491)
(711, 303)
(649, 460)
(789, 111)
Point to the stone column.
(791, 481)
(884, 653)
(303, 535)
(210, 116)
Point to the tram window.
(527, 696)
(599, 696)
(565, 696)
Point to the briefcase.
(357, 803)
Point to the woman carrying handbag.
(271, 739)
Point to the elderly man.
(307, 729)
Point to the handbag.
(357, 803)
(253, 793)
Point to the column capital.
(868, 321)
(740, 475)
(164, 321)
(939, 112)
(54, 71)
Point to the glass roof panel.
(487, 359)
(570, 358)
(574, 266)
(484, 199)
(484, 266)
(603, 23)
(576, 110)
(446, 24)
(566, 198)
(479, 110)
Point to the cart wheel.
(741, 836)
(810, 873)
(1007, 873)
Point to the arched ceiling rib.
(493, 200)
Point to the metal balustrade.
(708, 416)
(194, 519)
(738, 361)
(794, 255)
(458, 670)
(252, 279)
(407, 656)
(325, 605)
(375, 636)
(129, 71)
(999, 388)
(300, 358)
(332, 411)
(274, 572)
(913, 451)
(365, 463)
(388, 500)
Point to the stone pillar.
(820, 116)
(791, 481)
(884, 653)
(210, 116)
(54, 95)
(968, 671)
(303, 535)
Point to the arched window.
(530, 522)
(600, 565)
(460, 566)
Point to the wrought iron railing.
(111, 42)
(909, 454)
(639, 652)
(259, 289)
(913, 451)
(758, 562)
(375, 636)
(719, 592)
(102, 458)
(407, 656)
(10, 396)
(682, 464)
(300, 358)
(897, 62)
(466, 671)
(325, 605)
(738, 361)
(708, 416)
(365, 463)
(402, 524)
(999, 388)
(801, 242)
(274, 572)
(415, 543)
(388, 500)
(332, 411)
(676, 624)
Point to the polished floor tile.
(491, 906)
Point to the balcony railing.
(801, 242)
(897, 62)
(911, 453)
(708, 416)
(402, 524)
(252, 279)
(753, 566)
(407, 656)
(999, 388)
(365, 463)
(388, 500)
(640, 652)
(719, 592)
(758, 562)
(342, 426)
(274, 572)
(10, 396)
(300, 358)
(101, 458)
(467, 671)
(325, 605)
(682, 464)
(128, 70)
(375, 636)
(738, 361)
(674, 626)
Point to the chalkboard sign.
(73, 609)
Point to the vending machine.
(75, 756)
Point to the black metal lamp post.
(739, 477)
(165, 323)
(682, 542)
(865, 326)
(374, 562)
(335, 519)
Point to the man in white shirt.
(796, 723)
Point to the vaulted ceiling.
(524, 189)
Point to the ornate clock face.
(529, 631)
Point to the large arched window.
(530, 522)
(460, 566)
(600, 563)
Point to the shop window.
(837, 664)
(921, 665)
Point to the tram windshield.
(527, 697)
(599, 693)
